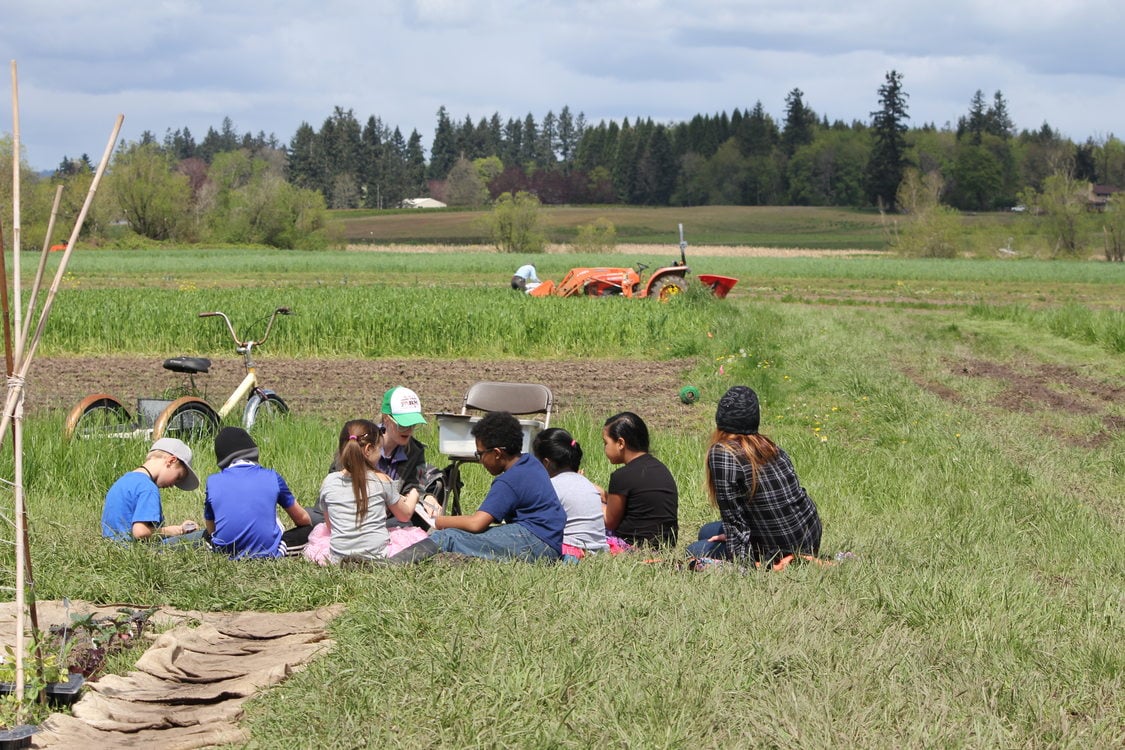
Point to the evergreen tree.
(494, 137)
(757, 133)
(180, 143)
(511, 142)
(341, 140)
(624, 168)
(415, 164)
(1085, 163)
(371, 162)
(530, 141)
(305, 170)
(976, 124)
(888, 131)
(443, 152)
(391, 189)
(567, 136)
(999, 122)
(800, 122)
(656, 170)
(591, 145)
(548, 139)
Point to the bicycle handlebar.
(230, 327)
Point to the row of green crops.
(381, 321)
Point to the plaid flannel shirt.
(780, 519)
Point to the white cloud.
(271, 65)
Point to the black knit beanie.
(233, 443)
(738, 411)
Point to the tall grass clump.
(1103, 328)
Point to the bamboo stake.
(20, 529)
(39, 272)
(20, 503)
(16, 195)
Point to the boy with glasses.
(521, 501)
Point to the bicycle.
(188, 414)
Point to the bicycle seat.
(187, 364)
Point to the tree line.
(232, 186)
(744, 157)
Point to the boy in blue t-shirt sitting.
(240, 509)
(521, 496)
(132, 509)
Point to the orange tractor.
(663, 284)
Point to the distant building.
(422, 203)
(1099, 196)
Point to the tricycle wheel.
(263, 407)
(668, 287)
(188, 418)
(98, 415)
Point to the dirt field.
(348, 388)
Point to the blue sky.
(270, 66)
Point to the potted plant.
(52, 677)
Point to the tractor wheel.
(669, 287)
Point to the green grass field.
(704, 225)
(752, 226)
(959, 424)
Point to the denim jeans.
(507, 541)
(704, 548)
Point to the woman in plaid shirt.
(766, 513)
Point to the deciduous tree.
(153, 198)
(514, 224)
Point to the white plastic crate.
(456, 440)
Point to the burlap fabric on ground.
(188, 688)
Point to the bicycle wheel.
(188, 418)
(98, 415)
(263, 407)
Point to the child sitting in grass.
(240, 508)
(132, 508)
(642, 499)
(521, 500)
(356, 499)
(561, 456)
(766, 514)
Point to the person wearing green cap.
(402, 456)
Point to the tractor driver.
(525, 278)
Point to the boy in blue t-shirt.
(240, 509)
(521, 496)
(132, 509)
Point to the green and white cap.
(403, 406)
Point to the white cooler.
(456, 441)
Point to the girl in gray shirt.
(561, 455)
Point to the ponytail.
(357, 434)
